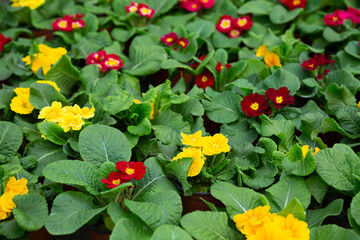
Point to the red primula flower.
(132, 8)
(243, 23)
(96, 57)
(145, 11)
(69, 22)
(292, 4)
(334, 19)
(280, 97)
(182, 42)
(254, 105)
(111, 61)
(190, 5)
(3, 40)
(131, 170)
(354, 15)
(169, 39)
(114, 179)
(234, 33)
(309, 65)
(219, 66)
(225, 24)
(207, 3)
(204, 80)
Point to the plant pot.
(97, 234)
(40, 234)
(194, 202)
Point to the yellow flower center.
(63, 24)
(335, 19)
(234, 33)
(215, 146)
(205, 1)
(279, 99)
(130, 171)
(76, 25)
(116, 182)
(194, 5)
(133, 9)
(169, 39)
(112, 62)
(254, 106)
(225, 24)
(296, 2)
(145, 11)
(182, 44)
(311, 65)
(204, 79)
(242, 22)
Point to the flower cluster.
(45, 58)
(172, 38)
(68, 117)
(141, 8)
(255, 104)
(337, 18)
(292, 4)
(196, 5)
(32, 4)
(104, 61)
(20, 103)
(126, 171)
(13, 187)
(234, 26)
(3, 40)
(271, 59)
(199, 147)
(69, 22)
(318, 65)
(260, 224)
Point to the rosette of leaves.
(31, 209)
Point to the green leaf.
(343, 77)
(295, 208)
(53, 132)
(10, 138)
(331, 35)
(180, 169)
(203, 27)
(221, 40)
(120, 101)
(337, 166)
(355, 208)
(224, 108)
(170, 232)
(280, 15)
(168, 126)
(317, 187)
(239, 132)
(64, 74)
(74, 172)
(237, 200)
(314, 218)
(173, 64)
(10, 229)
(160, 6)
(157, 208)
(98, 144)
(352, 48)
(42, 95)
(286, 189)
(31, 211)
(5, 97)
(261, 177)
(126, 229)
(283, 78)
(253, 67)
(90, 78)
(257, 7)
(208, 225)
(338, 97)
(112, 194)
(142, 129)
(154, 180)
(70, 211)
(122, 35)
(46, 153)
(332, 232)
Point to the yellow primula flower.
(21, 104)
(71, 121)
(198, 162)
(22, 91)
(50, 83)
(6, 202)
(53, 113)
(251, 220)
(3, 215)
(87, 113)
(17, 186)
(193, 140)
(298, 229)
(270, 231)
(76, 109)
(215, 144)
(305, 150)
(261, 51)
(32, 4)
(47, 57)
(272, 59)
